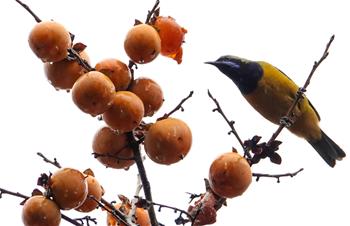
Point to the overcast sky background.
(289, 34)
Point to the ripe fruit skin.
(142, 218)
(125, 113)
(142, 43)
(49, 41)
(93, 93)
(107, 142)
(230, 175)
(150, 93)
(69, 188)
(168, 141)
(40, 211)
(117, 71)
(172, 36)
(94, 189)
(63, 74)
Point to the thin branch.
(17, 194)
(142, 172)
(120, 216)
(230, 123)
(55, 162)
(26, 7)
(178, 107)
(286, 120)
(152, 12)
(86, 219)
(277, 176)
(74, 55)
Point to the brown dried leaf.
(79, 47)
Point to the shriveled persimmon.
(63, 74)
(125, 113)
(149, 92)
(40, 211)
(112, 149)
(49, 41)
(172, 36)
(117, 71)
(168, 141)
(95, 190)
(141, 215)
(68, 187)
(230, 175)
(142, 43)
(93, 93)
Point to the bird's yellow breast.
(274, 95)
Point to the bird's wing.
(318, 115)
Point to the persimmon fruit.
(95, 190)
(149, 92)
(142, 43)
(168, 141)
(112, 149)
(68, 187)
(50, 41)
(141, 216)
(40, 211)
(117, 71)
(63, 74)
(93, 93)
(172, 36)
(125, 113)
(230, 175)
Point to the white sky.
(289, 34)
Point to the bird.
(271, 93)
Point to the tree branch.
(230, 123)
(178, 107)
(287, 121)
(277, 176)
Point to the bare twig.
(286, 120)
(230, 123)
(26, 7)
(86, 219)
(277, 176)
(178, 107)
(54, 162)
(152, 12)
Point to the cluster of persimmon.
(110, 90)
(66, 189)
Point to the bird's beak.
(223, 64)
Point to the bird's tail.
(328, 149)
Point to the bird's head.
(244, 73)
